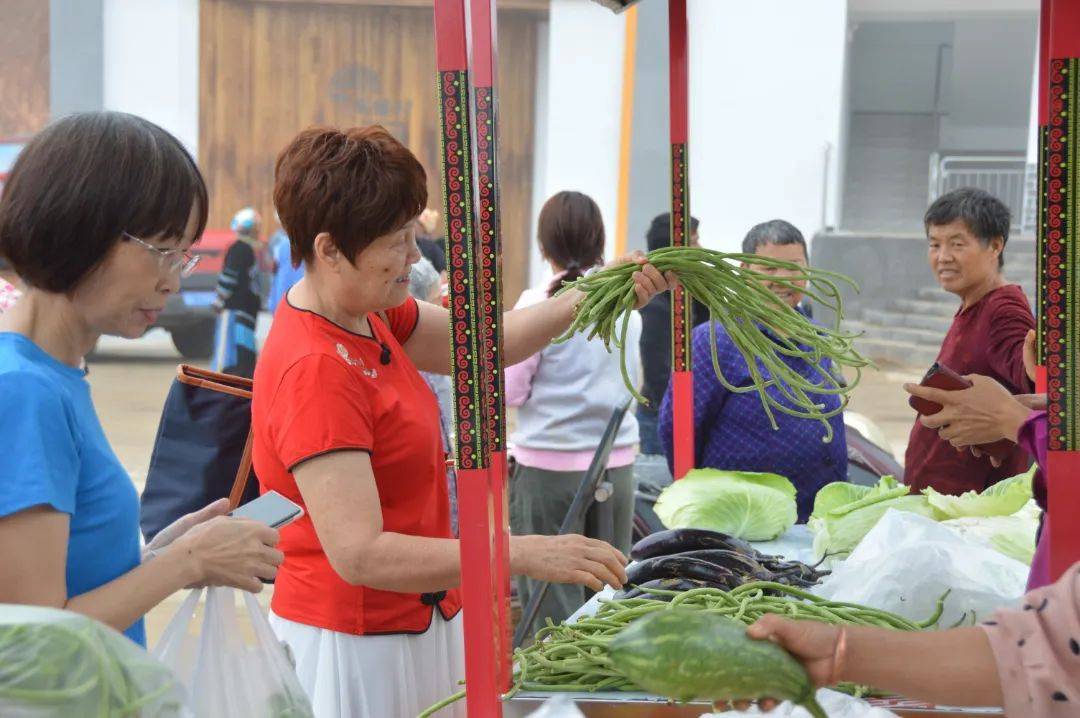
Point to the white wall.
(151, 64)
(990, 87)
(766, 95)
(583, 76)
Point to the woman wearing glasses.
(97, 219)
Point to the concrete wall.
(650, 160)
(990, 84)
(152, 63)
(583, 76)
(890, 267)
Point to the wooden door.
(269, 69)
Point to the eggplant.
(679, 567)
(733, 561)
(673, 541)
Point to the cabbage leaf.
(749, 505)
(1004, 498)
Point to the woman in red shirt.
(345, 425)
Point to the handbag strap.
(243, 473)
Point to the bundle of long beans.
(574, 656)
(738, 300)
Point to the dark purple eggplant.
(679, 567)
(673, 541)
(733, 561)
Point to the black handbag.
(203, 448)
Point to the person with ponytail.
(566, 394)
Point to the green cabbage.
(1002, 499)
(840, 497)
(1013, 535)
(748, 505)
(840, 530)
(845, 513)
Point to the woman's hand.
(568, 559)
(982, 414)
(648, 281)
(178, 528)
(227, 551)
(814, 644)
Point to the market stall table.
(642, 705)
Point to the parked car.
(189, 316)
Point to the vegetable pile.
(748, 505)
(576, 656)
(845, 513)
(738, 299)
(685, 559)
(58, 664)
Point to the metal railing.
(1002, 175)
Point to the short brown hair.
(356, 184)
(82, 182)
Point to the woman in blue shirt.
(732, 431)
(97, 219)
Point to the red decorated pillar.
(682, 377)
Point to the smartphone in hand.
(942, 377)
(271, 508)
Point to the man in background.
(238, 300)
(966, 232)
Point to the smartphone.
(938, 377)
(942, 377)
(271, 508)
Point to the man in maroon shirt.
(966, 231)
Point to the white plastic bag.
(557, 707)
(836, 705)
(907, 562)
(225, 674)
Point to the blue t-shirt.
(57, 455)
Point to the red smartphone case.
(942, 377)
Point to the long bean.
(573, 657)
(772, 340)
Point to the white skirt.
(398, 676)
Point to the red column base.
(500, 496)
(1063, 496)
(475, 527)
(682, 440)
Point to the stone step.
(943, 308)
(931, 322)
(891, 327)
(894, 318)
(937, 294)
(903, 353)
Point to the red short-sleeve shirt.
(321, 388)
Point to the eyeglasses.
(169, 260)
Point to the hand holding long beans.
(738, 299)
